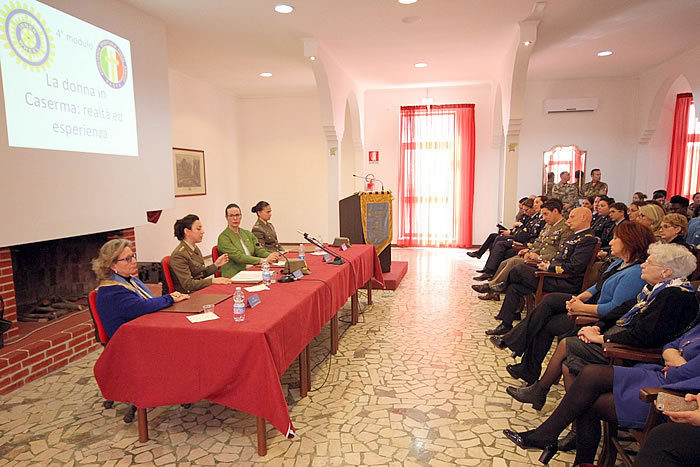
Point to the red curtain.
(436, 175)
(684, 163)
(565, 158)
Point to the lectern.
(366, 217)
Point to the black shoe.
(490, 296)
(526, 440)
(481, 271)
(498, 342)
(474, 254)
(500, 287)
(484, 277)
(532, 394)
(481, 288)
(515, 372)
(568, 442)
(500, 330)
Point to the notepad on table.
(248, 276)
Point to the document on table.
(257, 288)
(318, 253)
(278, 264)
(248, 276)
(208, 316)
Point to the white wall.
(382, 127)
(203, 117)
(283, 161)
(609, 134)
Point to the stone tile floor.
(415, 383)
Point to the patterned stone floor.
(415, 383)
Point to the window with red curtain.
(436, 175)
(564, 158)
(684, 165)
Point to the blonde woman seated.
(121, 296)
(186, 261)
(651, 215)
(263, 230)
(674, 228)
(240, 245)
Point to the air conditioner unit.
(585, 104)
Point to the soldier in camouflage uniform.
(595, 187)
(566, 192)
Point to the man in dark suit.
(572, 258)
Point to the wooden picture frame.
(189, 175)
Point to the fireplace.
(47, 271)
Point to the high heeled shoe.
(525, 440)
(532, 394)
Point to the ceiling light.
(527, 43)
(420, 65)
(605, 53)
(266, 75)
(284, 9)
(407, 2)
(313, 57)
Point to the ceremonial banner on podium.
(376, 214)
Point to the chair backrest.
(100, 333)
(168, 285)
(214, 257)
(591, 275)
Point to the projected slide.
(68, 84)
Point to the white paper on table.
(279, 264)
(248, 276)
(319, 253)
(208, 316)
(257, 288)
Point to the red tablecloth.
(163, 359)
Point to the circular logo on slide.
(27, 37)
(111, 64)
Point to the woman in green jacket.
(240, 245)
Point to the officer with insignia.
(542, 249)
(263, 230)
(566, 192)
(503, 247)
(595, 187)
(572, 258)
(186, 261)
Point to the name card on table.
(298, 274)
(343, 247)
(253, 300)
(208, 316)
(326, 258)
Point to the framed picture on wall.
(188, 172)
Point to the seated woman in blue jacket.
(241, 245)
(121, 296)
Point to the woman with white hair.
(662, 311)
(121, 296)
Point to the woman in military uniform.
(263, 230)
(186, 261)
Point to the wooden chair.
(214, 257)
(168, 285)
(102, 338)
(589, 277)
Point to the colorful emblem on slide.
(112, 64)
(27, 36)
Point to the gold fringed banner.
(376, 213)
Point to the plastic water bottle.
(302, 252)
(267, 277)
(238, 305)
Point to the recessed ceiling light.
(312, 58)
(527, 43)
(605, 53)
(407, 2)
(420, 65)
(266, 75)
(284, 9)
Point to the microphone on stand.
(337, 260)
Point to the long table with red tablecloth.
(164, 359)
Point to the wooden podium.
(366, 217)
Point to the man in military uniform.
(503, 247)
(566, 192)
(595, 187)
(542, 249)
(572, 258)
